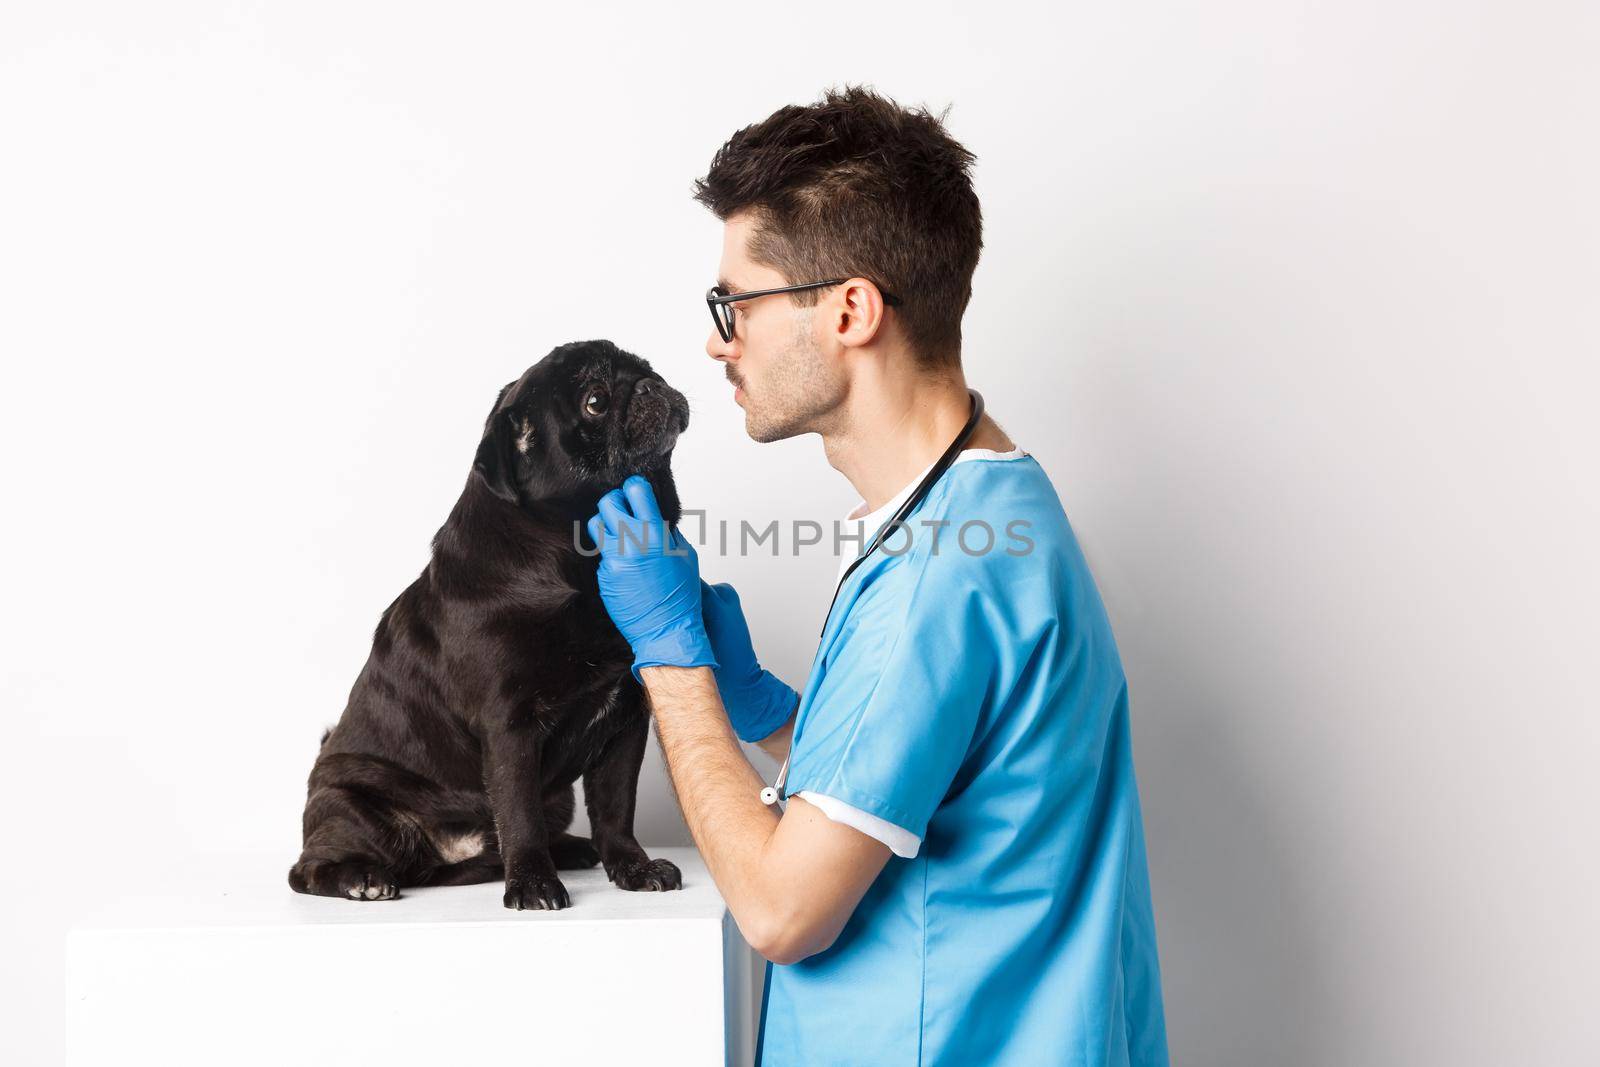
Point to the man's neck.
(896, 427)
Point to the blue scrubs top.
(976, 699)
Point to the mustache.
(732, 379)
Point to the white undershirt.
(901, 842)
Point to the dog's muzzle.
(657, 414)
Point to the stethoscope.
(774, 792)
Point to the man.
(959, 875)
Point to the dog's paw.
(647, 875)
(353, 879)
(572, 853)
(536, 892)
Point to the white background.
(1296, 303)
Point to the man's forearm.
(776, 744)
(718, 790)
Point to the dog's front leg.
(609, 791)
(513, 774)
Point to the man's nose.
(717, 348)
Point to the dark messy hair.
(857, 186)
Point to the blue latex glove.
(649, 579)
(757, 700)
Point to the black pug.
(497, 678)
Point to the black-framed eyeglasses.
(721, 302)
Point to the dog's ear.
(498, 400)
(495, 462)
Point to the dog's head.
(577, 423)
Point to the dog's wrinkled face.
(578, 422)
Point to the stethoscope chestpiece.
(770, 794)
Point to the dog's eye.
(594, 402)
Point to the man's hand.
(791, 882)
(757, 700)
(649, 580)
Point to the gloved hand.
(757, 700)
(651, 592)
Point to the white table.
(230, 966)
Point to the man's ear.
(495, 462)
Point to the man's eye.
(595, 402)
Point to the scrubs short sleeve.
(894, 713)
(900, 841)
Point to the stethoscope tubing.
(774, 793)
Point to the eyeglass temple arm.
(729, 298)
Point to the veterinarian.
(959, 874)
